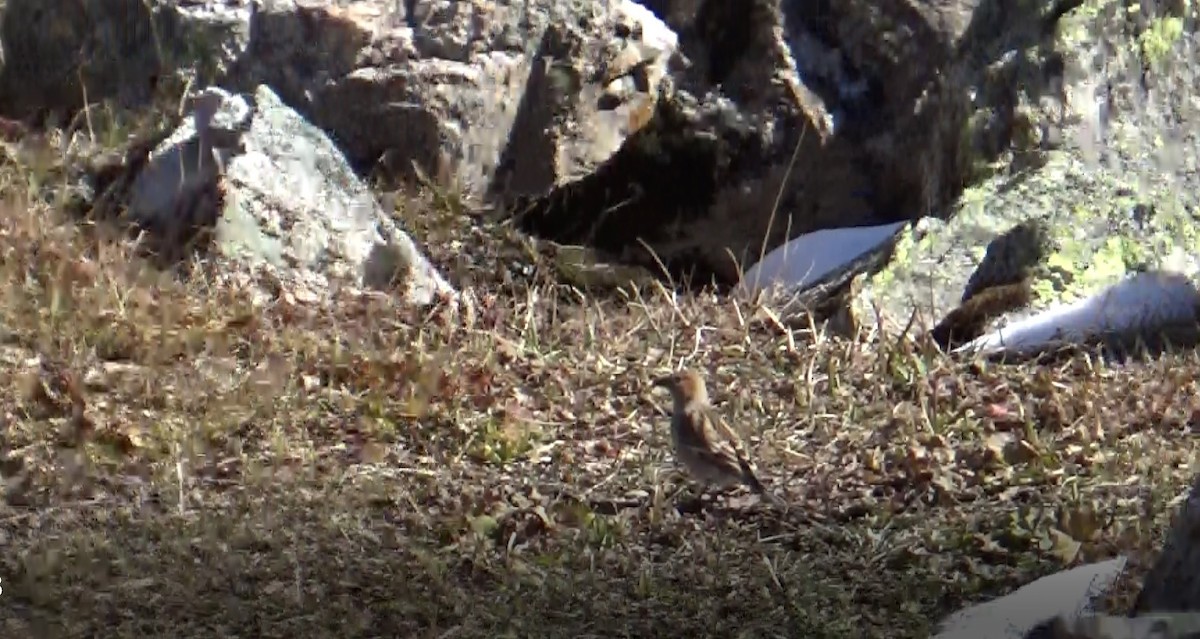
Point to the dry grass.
(183, 462)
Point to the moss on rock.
(1094, 228)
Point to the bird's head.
(686, 387)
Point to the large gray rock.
(275, 192)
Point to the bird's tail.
(757, 486)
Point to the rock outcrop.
(701, 133)
(1096, 190)
(1159, 626)
(1063, 595)
(1061, 606)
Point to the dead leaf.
(997, 411)
(873, 460)
(1062, 546)
(997, 442)
(1082, 523)
(122, 442)
(373, 453)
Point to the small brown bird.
(703, 442)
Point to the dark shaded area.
(1125, 347)
(105, 50)
(840, 25)
(410, 10)
(104, 198)
(726, 27)
(661, 9)
(1049, 629)
(664, 175)
(413, 130)
(266, 570)
(1012, 257)
(904, 98)
(1173, 584)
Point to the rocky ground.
(181, 461)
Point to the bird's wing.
(728, 444)
(719, 456)
(713, 441)
(719, 432)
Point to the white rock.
(1140, 302)
(1068, 593)
(807, 259)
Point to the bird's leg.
(693, 502)
(675, 474)
(684, 484)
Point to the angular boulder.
(270, 190)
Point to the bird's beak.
(663, 382)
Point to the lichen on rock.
(1095, 229)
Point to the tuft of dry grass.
(183, 460)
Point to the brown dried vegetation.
(180, 460)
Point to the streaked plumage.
(704, 444)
